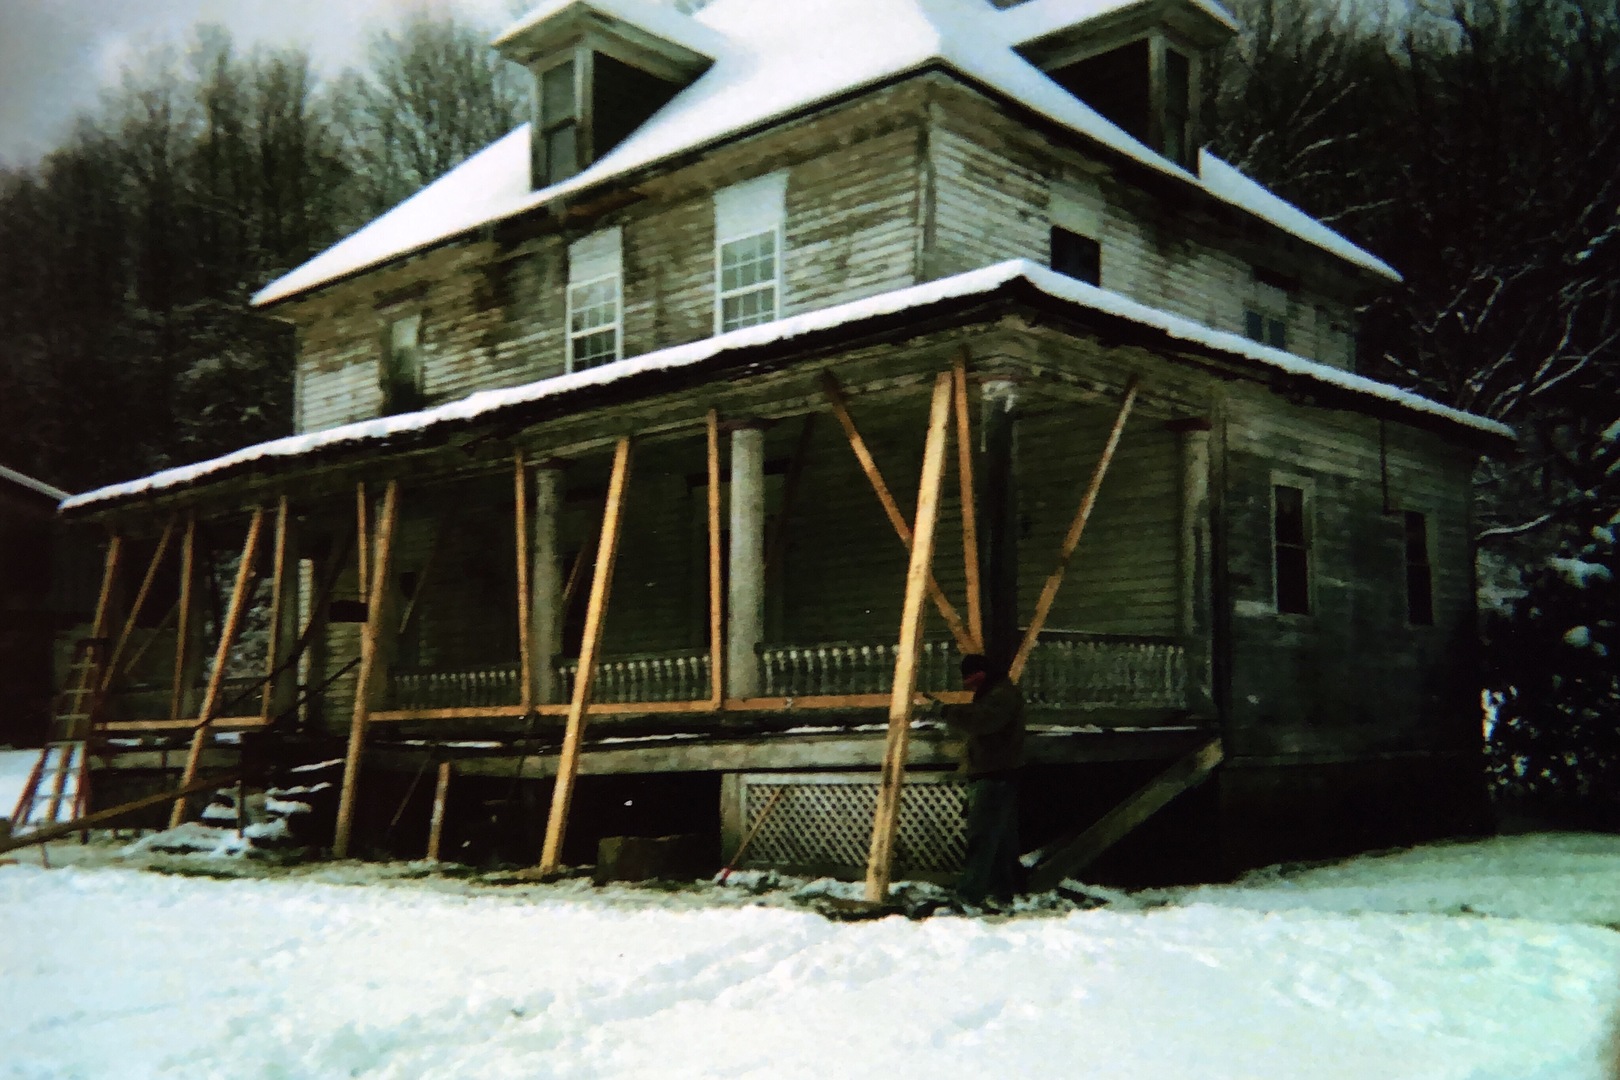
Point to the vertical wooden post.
(186, 621)
(880, 860)
(109, 669)
(441, 792)
(1077, 528)
(371, 644)
(997, 495)
(1197, 604)
(745, 585)
(546, 584)
(970, 519)
(90, 675)
(607, 552)
(216, 678)
(520, 522)
(717, 630)
(281, 672)
(362, 540)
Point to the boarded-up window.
(1419, 575)
(748, 257)
(1291, 533)
(595, 273)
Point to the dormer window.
(598, 76)
(1137, 66)
(557, 148)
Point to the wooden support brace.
(441, 793)
(717, 630)
(970, 520)
(840, 407)
(362, 531)
(109, 670)
(520, 521)
(1077, 528)
(183, 629)
(370, 645)
(113, 813)
(595, 614)
(880, 859)
(216, 678)
(278, 574)
(1074, 855)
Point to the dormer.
(1139, 65)
(601, 69)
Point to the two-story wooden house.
(665, 385)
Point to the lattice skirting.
(822, 823)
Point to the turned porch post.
(745, 597)
(546, 583)
(998, 518)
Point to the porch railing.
(1066, 670)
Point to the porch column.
(997, 511)
(745, 593)
(546, 583)
(1197, 607)
(281, 687)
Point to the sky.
(55, 55)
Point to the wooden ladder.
(61, 776)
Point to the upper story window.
(1265, 316)
(1076, 225)
(556, 151)
(1139, 65)
(598, 75)
(748, 252)
(595, 277)
(1291, 529)
(400, 373)
(1419, 574)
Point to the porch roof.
(975, 297)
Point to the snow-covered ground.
(1481, 961)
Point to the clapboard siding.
(1353, 676)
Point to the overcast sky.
(56, 54)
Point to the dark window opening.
(1115, 84)
(1419, 575)
(401, 370)
(1178, 107)
(1291, 542)
(1079, 257)
(622, 99)
(1266, 329)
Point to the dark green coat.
(993, 723)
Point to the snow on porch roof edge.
(984, 284)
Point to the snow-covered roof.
(658, 19)
(1035, 19)
(775, 59)
(488, 404)
(38, 487)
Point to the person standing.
(992, 725)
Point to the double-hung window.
(1265, 318)
(400, 374)
(557, 148)
(1076, 223)
(748, 252)
(1291, 547)
(595, 274)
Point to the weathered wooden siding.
(995, 181)
(493, 309)
(1353, 677)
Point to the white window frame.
(593, 261)
(745, 212)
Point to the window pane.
(1292, 563)
(557, 94)
(1293, 581)
(748, 309)
(1254, 325)
(1077, 256)
(591, 350)
(1419, 578)
(562, 154)
(1290, 515)
(1277, 333)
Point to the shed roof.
(645, 375)
(776, 59)
(32, 486)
